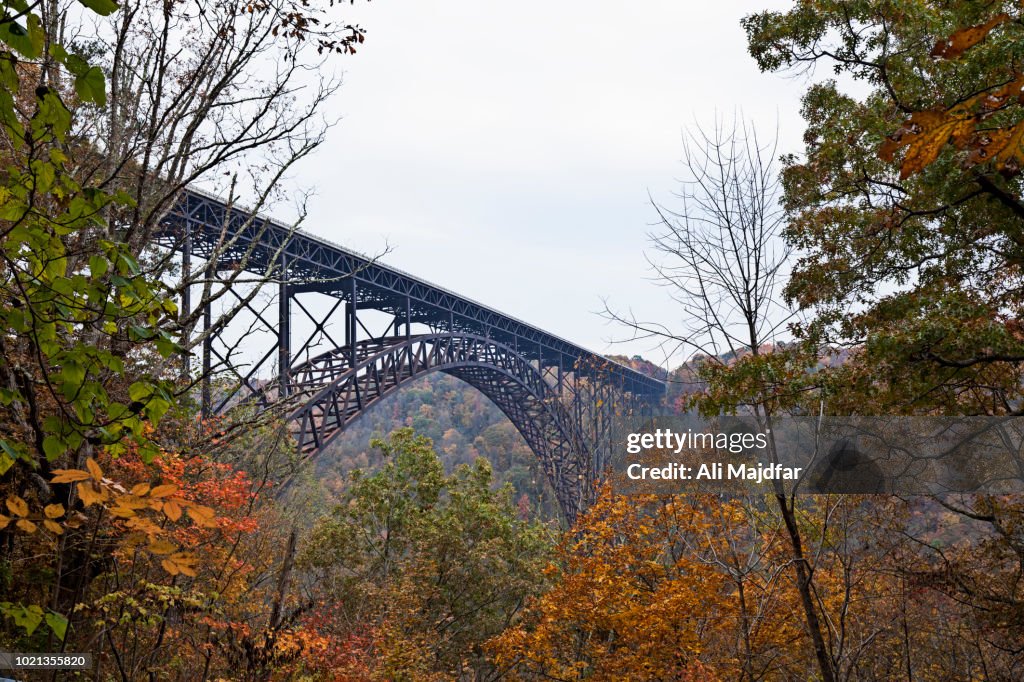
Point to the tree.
(926, 251)
(420, 566)
(620, 607)
(915, 262)
(89, 325)
(725, 264)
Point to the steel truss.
(561, 397)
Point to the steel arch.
(334, 393)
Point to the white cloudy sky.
(506, 150)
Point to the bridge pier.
(206, 396)
(284, 328)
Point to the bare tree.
(722, 257)
(213, 94)
(720, 254)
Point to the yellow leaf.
(143, 525)
(203, 516)
(1012, 148)
(53, 527)
(90, 493)
(936, 130)
(165, 490)
(69, 475)
(132, 502)
(172, 509)
(966, 38)
(17, 505)
(26, 525)
(94, 469)
(134, 540)
(161, 547)
(187, 570)
(121, 511)
(53, 511)
(140, 489)
(185, 563)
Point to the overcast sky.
(506, 150)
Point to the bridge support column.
(284, 328)
(408, 317)
(351, 322)
(186, 300)
(206, 398)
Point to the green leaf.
(156, 408)
(57, 623)
(98, 266)
(27, 40)
(8, 117)
(6, 462)
(147, 451)
(91, 86)
(52, 114)
(72, 373)
(139, 391)
(76, 65)
(101, 7)
(9, 449)
(53, 447)
(9, 72)
(12, 209)
(127, 264)
(59, 53)
(28, 617)
(166, 346)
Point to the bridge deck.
(202, 224)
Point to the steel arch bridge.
(560, 397)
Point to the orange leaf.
(94, 469)
(17, 505)
(172, 509)
(1011, 148)
(26, 525)
(163, 490)
(53, 511)
(185, 563)
(161, 547)
(91, 493)
(53, 527)
(170, 566)
(69, 475)
(140, 489)
(203, 516)
(926, 145)
(4, 520)
(143, 525)
(121, 511)
(966, 38)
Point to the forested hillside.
(462, 423)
